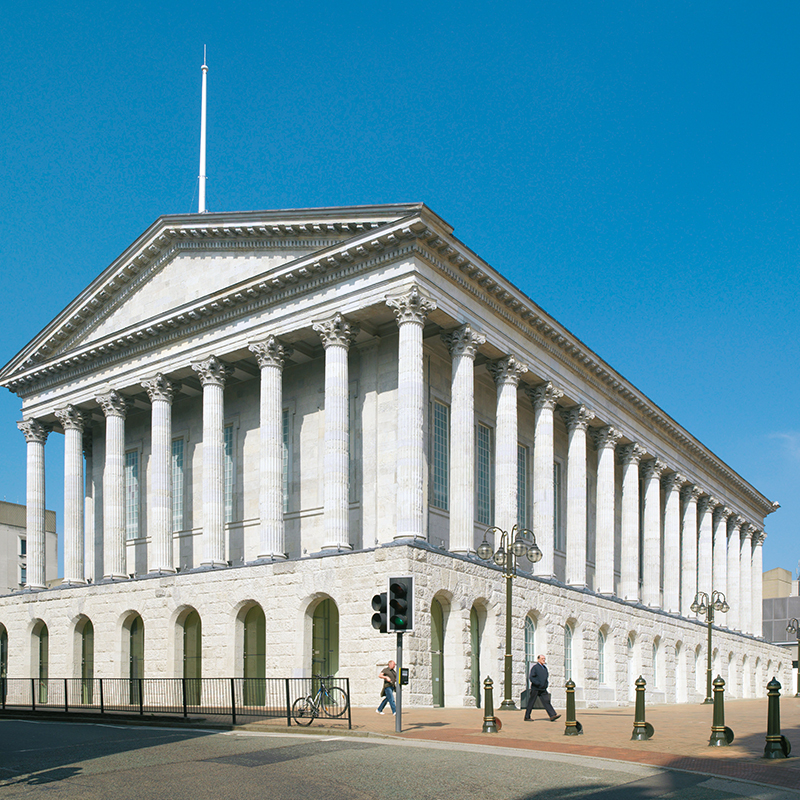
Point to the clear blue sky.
(632, 167)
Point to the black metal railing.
(264, 698)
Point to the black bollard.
(489, 722)
(573, 727)
(641, 730)
(777, 746)
(720, 735)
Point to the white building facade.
(268, 413)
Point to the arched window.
(255, 656)
(136, 657)
(567, 653)
(325, 636)
(42, 654)
(87, 662)
(437, 652)
(601, 657)
(192, 657)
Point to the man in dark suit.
(539, 680)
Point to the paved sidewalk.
(680, 740)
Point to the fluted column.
(35, 436)
(161, 391)
(213, 373)
(746, 579)
(577, 421)
(672, 542)
(689, 549)
(733, 594)
(463, 345)
(651, 546)
(115, 408)
(629, 457)
(411, 309)
(506, 373)
(544, 398)
(705, 561)
(88, 509)
(757, 588)
(336, 334)
(72, 420)
(605, 440)
(719, 533)
(270, 355)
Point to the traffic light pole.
(398, 717)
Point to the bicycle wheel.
(334, 701)
(304, 711)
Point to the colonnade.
(705, 544)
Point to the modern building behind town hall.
(268, 413)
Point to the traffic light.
(401, 604)
(379, 617)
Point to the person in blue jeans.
(389, 676)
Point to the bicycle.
(329, 701)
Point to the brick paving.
(680, 740)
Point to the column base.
(272, 557)
(213, 564)
(162, 571)
(72, 582)
(337, 547)
(116, 577)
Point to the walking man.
(539, 680)
(389, 676)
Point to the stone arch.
(40, 658)
(479, 653)
(575, 658)
(250, 631)
(188, 651)
(447, 663)
(82, 659)
(606, 664)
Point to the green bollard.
(489, 722)
(777, 746)
(641, 730)
(573, 727)
(720, 735)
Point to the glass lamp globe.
(484, 550)
(534, 553)
(520, 546)
(499, 557)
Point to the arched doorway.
(475, 634)
(437, 653)
(87, 662)
(135, 657)
(41, 645)
(3, 661)
(325, 638)
(192, 657)
(254, 656)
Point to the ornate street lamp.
(704, 605)
(506, 555)
(794, 627)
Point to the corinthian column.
(270, 355)
(733, 595)
(689, 550)
(651, 555)
(605, 440)
(213, 374)
(463, 345)
(629, 456)
(115, 408)
(506, 373)
(72, 420)
(758, 566)
(411, 310)
(544, 397)
(672, 542)
(705, 563)
(719, 533)
(160, 390)
(746, 579)
(336, 334)
(88, 510)
(35, 436)
(577, 420)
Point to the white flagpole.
(201, 199)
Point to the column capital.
(734, 522)
(721, 514)
(544, 395)
(336, 331)
(631, 453)
(71, 418)
(463, 341)
(653, 468)
(270, 352)
(577, 417)
(691, 492)
(160, 388)
(411, 306)
(747, 531)
(113, 404)
(605, 438)
(212, 371)
(506, 370)
(673, 482)
(707, 504)
(34, 430)
(758, 538)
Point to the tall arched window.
(192, 657)
(437, 653)
(601, 657)
(42, 653)
(87, 662)
(567, 653)
(136, 656)
(255, 656)
(325, 638)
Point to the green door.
(325, 639)
(87, 663)
(437, 652)
(136, 660)
(475, 649)
(192, 657)
(255, 657)
(44, 662)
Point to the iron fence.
(263, 698)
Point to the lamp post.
(704, 605)
(794, 627)
(511, 549)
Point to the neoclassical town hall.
(266, 414)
